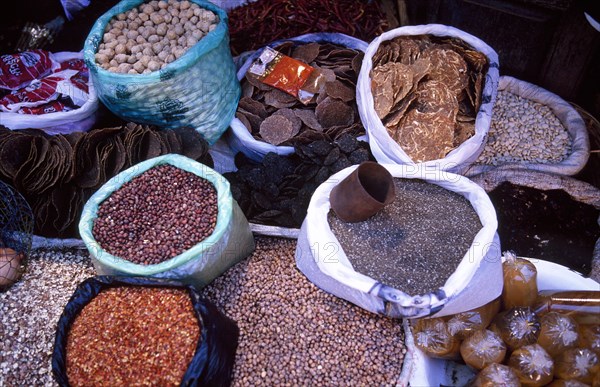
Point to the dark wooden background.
(545, 42)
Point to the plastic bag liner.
(77, 120)
(476, 281)
(567, 115)
(239, 137)
(421, 370)
(230, 242)
(199, 89)
(384, 148)
(214, 358)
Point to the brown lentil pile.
(157, 215)
(415, 243)
(29, 312)
(133, 335)
(292, 333)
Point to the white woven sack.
(384, 148)
(476, 280)
(239, 138)
(567, 115)
(78, 120)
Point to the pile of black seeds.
(415, 243)
(157, 215)
(277, 191)
(548, 225)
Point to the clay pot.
(362, 194)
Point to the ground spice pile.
(415, 243)
(133, 335)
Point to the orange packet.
(286, 74)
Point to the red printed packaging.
(51, 107)
(19, 70)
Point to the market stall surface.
(291, 332)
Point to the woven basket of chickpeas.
(165, 63)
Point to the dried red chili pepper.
(258, 23)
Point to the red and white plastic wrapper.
(50, 107)
(48, 89)
(19, 70)
(62, 101)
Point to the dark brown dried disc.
(247, 89)
(257, 83)
(337, 89)
(476, 59)
(244, 120)
(309, 118)
(279, 99)
(425, 136)
(289, 114)
(276, 129)
(357, 62)
(254, 107)
(306, 52)
(398, 111)
(333, 112)
(463, 131)
(409, 50)
(434, 96)
(383, 89)
(255, 121)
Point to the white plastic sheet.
(476, 281)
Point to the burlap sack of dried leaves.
(578, 190)
(269, 120)
(425, 95)
(57, 174)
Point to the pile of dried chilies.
(258, 23)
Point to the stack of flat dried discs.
(278, 118)
(427, 91)
(276, 191)
(58, 174)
